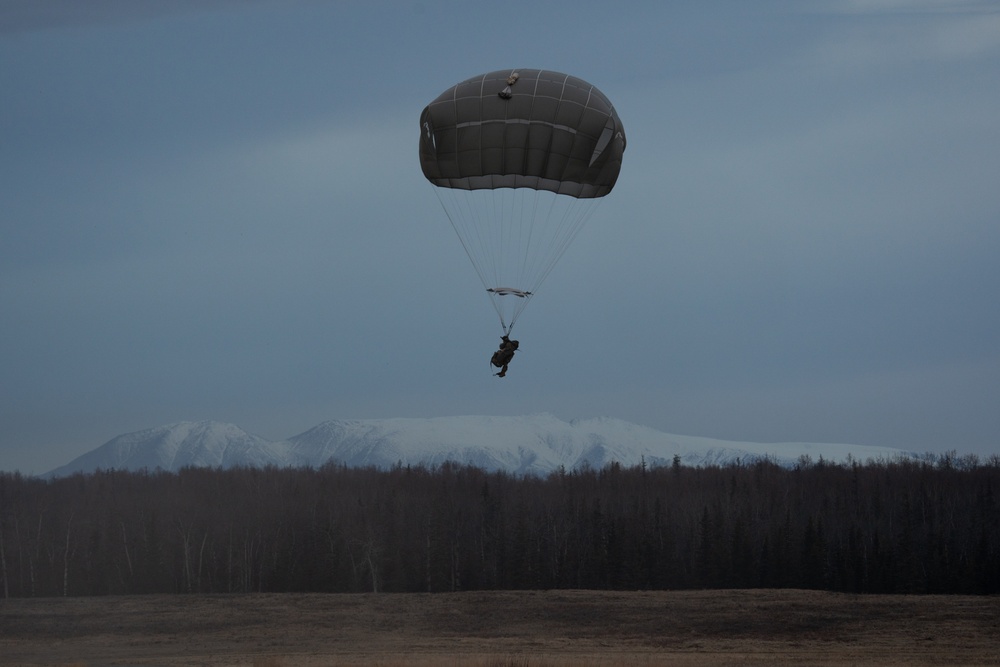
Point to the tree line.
(904, 526)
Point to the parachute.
(520, 159)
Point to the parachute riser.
(508, 315)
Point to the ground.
(504, 629)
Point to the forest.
(905, 526)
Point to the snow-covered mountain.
(535, 444)
(206, 443)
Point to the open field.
(522, 629)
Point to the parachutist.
(503, 356)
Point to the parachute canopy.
(523, 128)
(520, 158)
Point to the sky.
(215, 210)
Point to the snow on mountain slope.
(204, 443)
(535, 444)
(518, 444)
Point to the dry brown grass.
(504, 629)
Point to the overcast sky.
(215, 210)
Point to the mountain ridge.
(533, 444)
